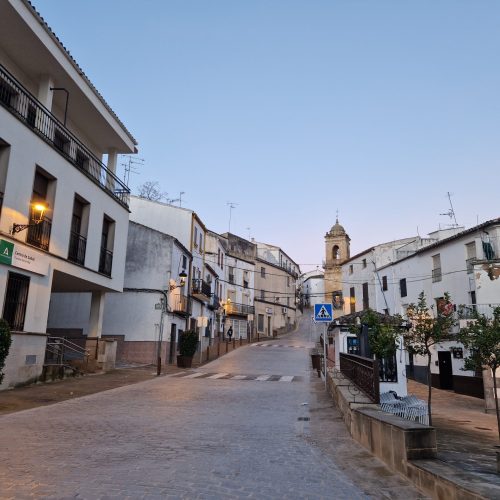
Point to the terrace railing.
(363, 372)
(25, 106)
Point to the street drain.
(303, 419)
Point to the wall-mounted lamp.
(37, 212)
(182, 282)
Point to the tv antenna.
(231, 205)
(248, 229)
(451, 212)
(131, 165)
(173, 200)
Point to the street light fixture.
(38, 210)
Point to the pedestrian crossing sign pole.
(323, 313)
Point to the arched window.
(336, 252)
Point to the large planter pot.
(184, 361)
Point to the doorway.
(445, 370)
(171, 352)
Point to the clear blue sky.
(293, 109)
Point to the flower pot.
(184, 361)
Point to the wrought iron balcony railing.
(436, 275)
(77, 247)
(39, 234)
(181, 304)
(22, 104)
(106, 262)
(201, 287)
(241, 309)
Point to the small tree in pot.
(188, 343)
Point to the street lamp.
(38, 210)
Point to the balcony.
(24, 106)
(77, 247)
(106, 262)
(181, 305)
(39, 234)
(201, 290)
(235, 309)
(214, 303)
(467, 311)
(436, 275)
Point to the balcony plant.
(188, 343)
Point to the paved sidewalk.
(43, 394)
(466, 435)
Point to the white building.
(239, 275)
(467, 266)
(312, 288)
(51, 152)
(185, 225)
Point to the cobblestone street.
(254, 424)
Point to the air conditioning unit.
(283, 310)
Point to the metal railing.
(466, 311)
(201, 287)
(60, 350)
(363, 372)
(77, 247)
(106, 261)
(436, 275)
(215, 302)
(39, 234)
(181, 304)
(242, 309)
(22, 104)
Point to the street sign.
(323, 313)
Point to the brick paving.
(178, 437)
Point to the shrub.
(188, 342)
(5, 342)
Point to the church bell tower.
(337, 250)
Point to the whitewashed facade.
(54, 157)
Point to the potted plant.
(188, 343)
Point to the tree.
(5, 342)
(383, 332)
(428, 328)
(151, 191)
(482, 338)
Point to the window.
(260, 322)
(336, 252)
(366, 300)
(39, 234)
(436, 268)
(7, 94)
(384, 283)
(31, 116)
(61, 141)
(231, 274)
(262, 272)
(262, 294)
(184, 262)
(470, 252)
(364, 263)
(402, 287)
(4, 163)
(288, 281)
(351, 269)
(195, 238)
(16, 299)
(222, 260)
(107, 237)
(201, 241)
(352, 299)
(288, 301)
(218, 257)
(82, 160)
(77, 238)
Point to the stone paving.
(178, 437)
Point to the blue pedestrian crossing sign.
(323, 312)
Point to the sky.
(292, 110)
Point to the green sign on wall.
(6, 251)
